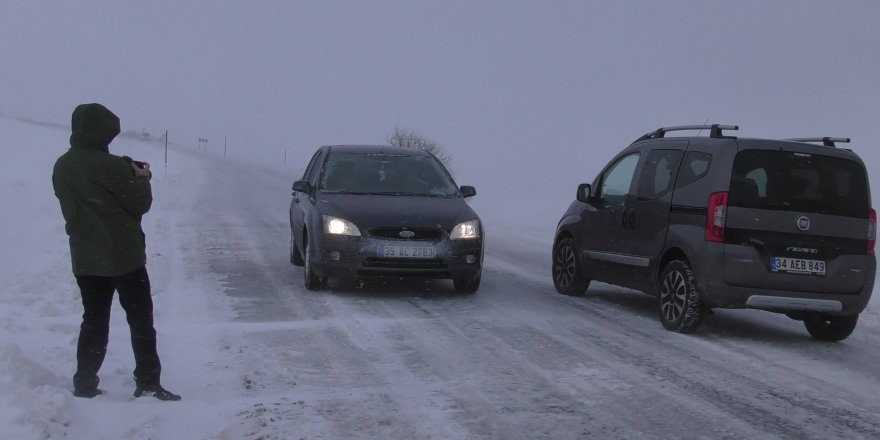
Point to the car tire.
(312, 280)
(467, 285)
(830, 328)
(678, 301)
(568, 277)
(296, 257)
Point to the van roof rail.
(714, 131)
(826, 141)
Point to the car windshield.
(387, 174)
(792, 181)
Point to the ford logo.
(803, 223)
(411, 234)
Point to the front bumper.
(359, 257)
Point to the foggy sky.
(520, 85)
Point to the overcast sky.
(549, 84)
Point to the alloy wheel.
(565, 266)
(568, 272)
(673, 295)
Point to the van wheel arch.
(669, 256)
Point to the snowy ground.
(255, 356)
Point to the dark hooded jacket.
(101, 198)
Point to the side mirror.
(585, 193)
(302, 186)
(468, 191)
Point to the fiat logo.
(411, 234)
(803, 223)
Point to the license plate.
(797, 265)
(407, 251)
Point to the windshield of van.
(795, 181)
(387, 174)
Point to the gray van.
(717, 221)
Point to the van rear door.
(797, 221)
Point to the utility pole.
(224, 146)
(166, 148)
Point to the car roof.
(376, 149)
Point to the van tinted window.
(793, 181)
(658, 173)
(694, 167)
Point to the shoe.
(87, 393)
(156, 391)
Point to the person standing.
(103, 198)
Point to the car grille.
(405, 263)
(421, 234)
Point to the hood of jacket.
(93, 127)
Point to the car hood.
(371, 211)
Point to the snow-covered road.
(515, 361)
(256, 356)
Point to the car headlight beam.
(466, 230)
(338, 226)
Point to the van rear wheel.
(679, 302)
(830, 328)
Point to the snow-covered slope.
(40, 312)
(256, 356)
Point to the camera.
(136, 163)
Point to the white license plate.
(407, 251)
(797, 265)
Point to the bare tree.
(406, 138)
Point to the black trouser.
(97, 298)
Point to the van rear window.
(795, 181)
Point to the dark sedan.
(380, 211)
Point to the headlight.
(466, 230)
(338, 226)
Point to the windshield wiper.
(405, 193)
(389, 193)
(340, 191)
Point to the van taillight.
(716, 213)
(872, 230)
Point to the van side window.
(694, 167)
(658, 174)
(618, 179)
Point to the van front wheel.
(568, 277)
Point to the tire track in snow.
(414, 360)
